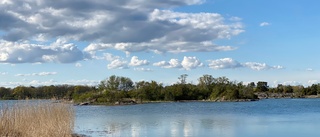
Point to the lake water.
(265, 118)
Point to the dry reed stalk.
(37, 120)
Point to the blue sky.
(86, 41)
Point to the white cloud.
(260, 66)
(161, 45)
(37, 74)
(224, 63)
(78, 65)
(128, 26)
(109, 57)
(160, 64)
(118, 64)
(3, 73)
(187, 63)
(309, 69)
(96, 47)
(262, 24)
(173, 63)
(50, 82)
(191, 63)
(41, 83)
(229, 63)
(136, 62)
(310, 82)
(143, 69)
(291, 83)
(45, 73)
(81, 82)
(15, 52)
(235, 19)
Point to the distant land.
(119, 90)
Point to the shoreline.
(178, 101)
(150, 102)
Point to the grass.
(37, 120)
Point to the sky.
(82, 42)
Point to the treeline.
(118, 88)
(44, 92)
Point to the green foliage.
(116, 83)
(262, 86)
(117, 89)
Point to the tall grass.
(37, 120)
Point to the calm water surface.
(265, 118)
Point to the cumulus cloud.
(37, 74)
(191, 63)
(262, 24)
(161, 45)
(224, 63)
(187, 63)
(118, 64)
(115, 62)
(173, 63)
(260, 66)
(126, 25)
(59, 52)
(136, 62)
(229, 63)
(109, 57)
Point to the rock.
(84, 104)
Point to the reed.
(37, 120)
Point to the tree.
(288, 89)
(313, 89)
(116, 83)
(252, 85)
(206, 81)
(280, 88)
(262, 86)
(113, 82)
(5, 93)
(125, 84)
(21, 92)
(206, 84)
(183, 78)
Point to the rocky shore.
(267, 95)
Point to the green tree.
(205, 85)
(22, 92)
(262, 86)
(5, 93)
(183, 79)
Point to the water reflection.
(158, 126)
(208, 119)
(135, 130)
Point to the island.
(119, 90)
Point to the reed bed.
(36, 120)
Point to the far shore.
(133, 102)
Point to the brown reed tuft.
(37, 120)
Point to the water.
(265, 118)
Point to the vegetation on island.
(117, 89)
